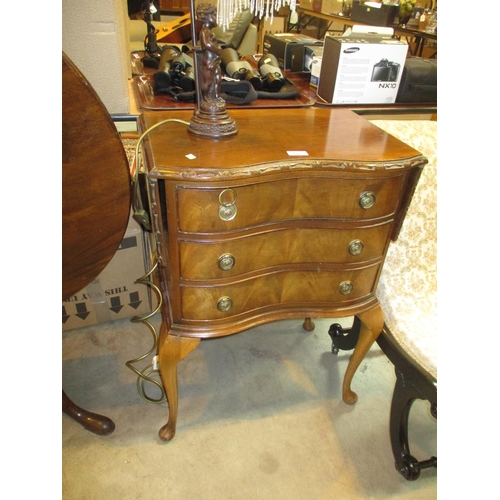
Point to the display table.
(265, 226)
(420, 37)
(143, 98)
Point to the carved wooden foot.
(372, 323)
(172, 349)
(97, 424)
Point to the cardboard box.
(315, 70)
(113, 294)
(281, 45)
(373, 13)
(364, 69)
(302, 57)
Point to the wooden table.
(265, 226)
(307, 15)
(95, 200)
(143, 97)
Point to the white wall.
(95, 38)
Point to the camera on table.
(175, 69)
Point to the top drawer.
(222, 209)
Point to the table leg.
(308, 325)
(93, 422)
(172, 349)
(372, 322)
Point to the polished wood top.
(95, 183)
(270, 135)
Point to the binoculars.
(267, 77)
(175, 69)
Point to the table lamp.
(210, 118)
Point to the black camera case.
(418, 81)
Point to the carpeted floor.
(260, 416)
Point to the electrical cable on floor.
(144, 374)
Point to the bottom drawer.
(285, 289)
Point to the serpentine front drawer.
(278, 290)
(282, 247)
(210, 210)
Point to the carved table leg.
(172, 349)
(97, 424)
(372, 322)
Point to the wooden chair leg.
(372, 323)
(402, 400)
(172, 349)
(97, 424)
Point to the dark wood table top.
(95, 183)
(324, 133)
(146, 100)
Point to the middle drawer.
(236, 256)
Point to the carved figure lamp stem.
(210, 118)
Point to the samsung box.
(374, 13)
(281, 46)
(361, 69)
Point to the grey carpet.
(260, 417)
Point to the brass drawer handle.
(346, 287)
(226, 261)
(227, 197)
(367, 199)
(227, 200)
(224, 304)
(356, 247)
(227, 212)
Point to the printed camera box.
(315, 70)
(114, 293)
(280, 45)
(364, 69)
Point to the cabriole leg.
(172, 349)
(372, 322)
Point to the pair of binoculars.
(267, 77)
(175, 69)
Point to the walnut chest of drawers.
(290, 218)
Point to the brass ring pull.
(227, 200)
(367, 199)
(346, 287)
(356, 247)
(227, 197)
(226, 262)
(224, 304)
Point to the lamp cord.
(144, 374)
